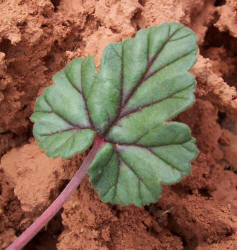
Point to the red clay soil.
(38, 38)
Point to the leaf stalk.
(51, 211)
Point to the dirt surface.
(38, 38)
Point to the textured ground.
(37, 38)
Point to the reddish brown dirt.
(37, 38)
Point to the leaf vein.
(86, 106)
(82, 95)
(182, 37)
(168, 64)
(60, 146)
(138, 177)
(149, 65)
(60, 131)
(60, 116)
(144, 77)
(71, 83)
(139, 109)
(139, 191)
(165, 161)
(191, 151)
(117, 177)
(150, 146)
(98, 176)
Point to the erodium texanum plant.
(125, 110)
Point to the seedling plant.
(124, 113)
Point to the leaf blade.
(132, 63)
(139, 169)
(62, 122)
(154, 86)
(142, 83)
(105, 96)
(136, 122)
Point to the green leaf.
(62, 122)
(142, 84)
(125, 174)
(134, 74)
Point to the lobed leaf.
(146, 83)
(62, 122)
(143, 82)
(134, 75)
(125, 174)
